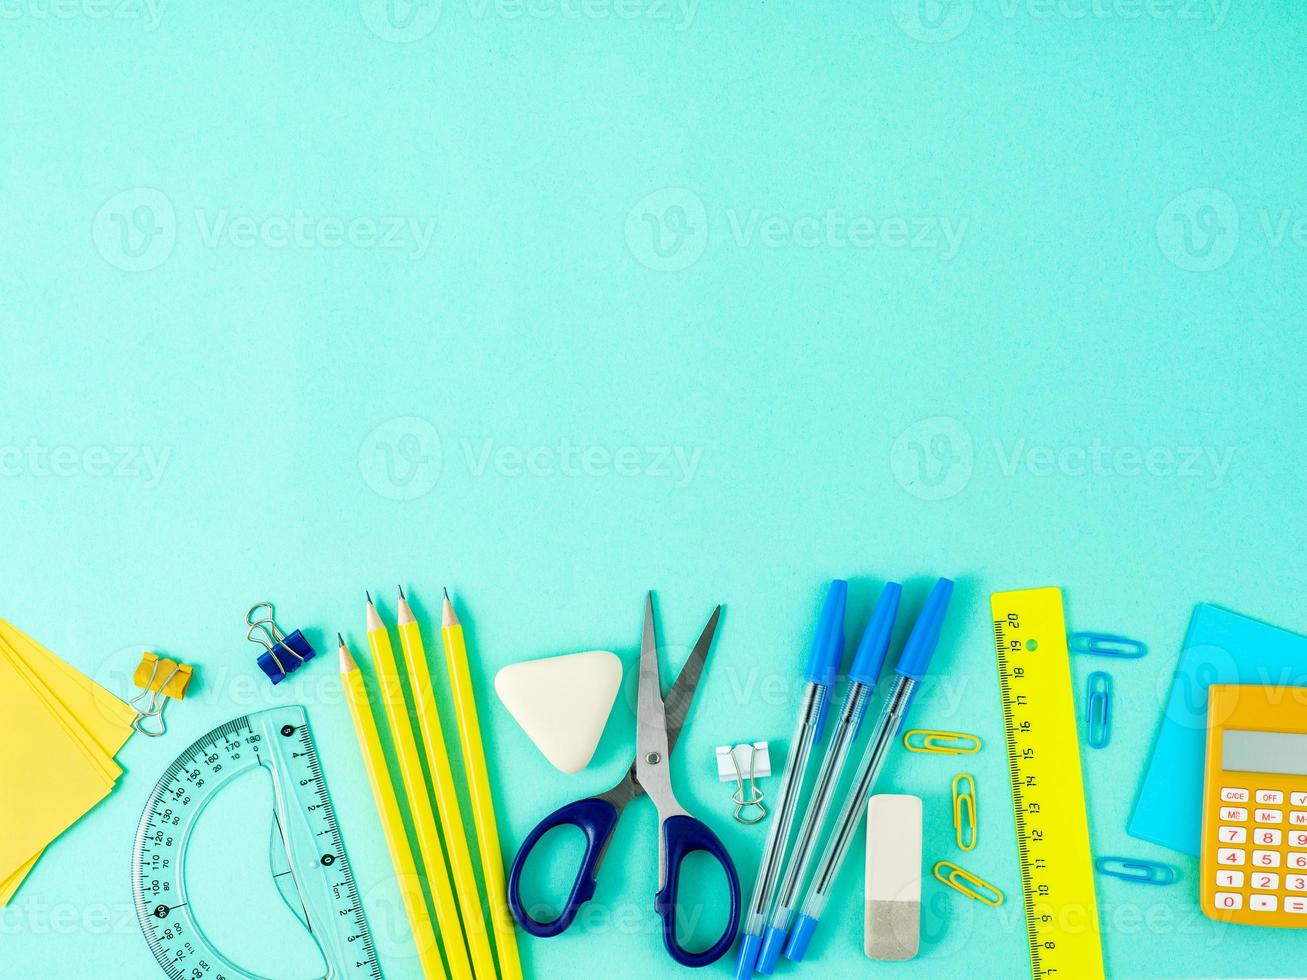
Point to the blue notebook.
(1220, 648)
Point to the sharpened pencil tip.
(447, 615)
(445, 590)
(401, 592)
(340, 640)
(369, 595)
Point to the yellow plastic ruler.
(1048, 793)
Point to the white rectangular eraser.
(892, 929)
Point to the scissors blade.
(681, 696)
(650, 717)
(627, 789)
(675, 706)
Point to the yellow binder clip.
(160, 679)
(964, 811)
(961, 880)
(944, 743)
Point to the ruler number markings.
(1021, 733)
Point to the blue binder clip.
(284, 654)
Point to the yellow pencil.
(446, 792)
(392, 824)
(483, 803)
(415, 787)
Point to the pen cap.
(748, 956)
(797, 947)
(870, 657)
(828, 644)
(920, 647)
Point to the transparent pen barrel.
(850, 815)
(787, 798)
(823, 794)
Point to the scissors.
(658, 723)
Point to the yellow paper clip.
(945, 743)
(964, 811)
(160, 679)
(961, 880)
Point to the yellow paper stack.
(60, 732)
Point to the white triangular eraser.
(562, 703)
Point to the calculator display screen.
(1272, 752)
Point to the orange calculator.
(1254, 851)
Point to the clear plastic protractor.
(313, 874)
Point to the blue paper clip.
(1098, 709)
(284, 654)
(1133, 869)
(1106, 645)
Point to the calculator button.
(1273, 796)
(1295, 883)
(1262, 903)
(1297, 859)
(1266, 881)
(1233, 835)
(1294, 904)
(1234, 879)
(1233, 900)
(1297, 838)
(1233, 813)
(1231, 795)
(1298, 818)
(1232, 855)
(1269, 816)
(1266, 859)
(1270, 838)
(1296, 799)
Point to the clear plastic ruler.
(307, 855)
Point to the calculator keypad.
(1261, 850)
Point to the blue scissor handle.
(683, 835)
(596, 819)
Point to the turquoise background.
(1006, 290)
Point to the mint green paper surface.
(555, 301)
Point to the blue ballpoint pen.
(867, 663)
(821, 673)
(911, 667)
